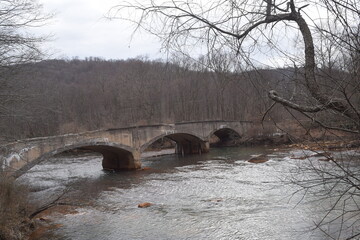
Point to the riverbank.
(44, 221)
(14, 210)
(335, 145)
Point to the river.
(218, 195)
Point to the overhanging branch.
(274, 96)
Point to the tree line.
(63, 96)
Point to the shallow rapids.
(213, 196)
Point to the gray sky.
(80, 29)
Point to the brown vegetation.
(14, 210)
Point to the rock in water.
(258, 159)
(144, 205)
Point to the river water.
(218, 195)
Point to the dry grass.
(14, 209)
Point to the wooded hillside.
(63, 96)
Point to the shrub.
(14, 209)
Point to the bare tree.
(17, 48)
(331, 89)
(231, 24)
(17, 45)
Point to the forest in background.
(66, 96)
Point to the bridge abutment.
(120, 162)
(186, 148)
(117, 159)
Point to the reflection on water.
(213, 196)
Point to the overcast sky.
(80, 29)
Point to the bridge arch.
(226, 135)
(186, 143)
(115, 156)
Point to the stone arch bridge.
(121, 147)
